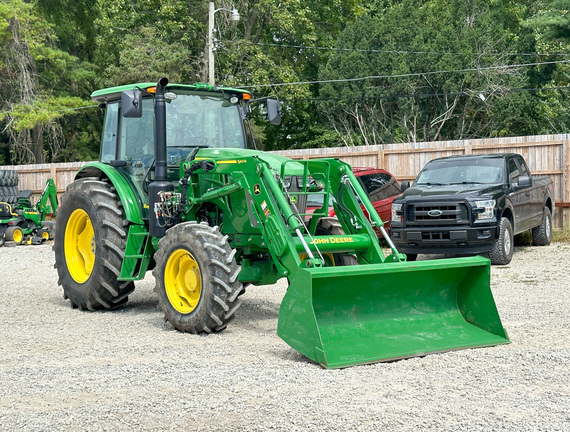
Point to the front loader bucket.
(343, 316)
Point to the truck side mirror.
(404, 185)
(131, 103)
(524, 182)
(273, 111)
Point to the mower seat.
(5, 210)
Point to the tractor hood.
(274, 160)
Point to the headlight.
(485, 209)
(396, 212)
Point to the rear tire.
(15, 234)
(502, 250)
(89, 245)
(197, 278)
(542, 234)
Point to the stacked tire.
(9, 186)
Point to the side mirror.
(524, 182)
(404, 185)
(273, 111)
(131, 103)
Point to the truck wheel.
(542, 234)
(502, 251)
(197, 278)
(89, 245)
(15, 234)
(331, 226)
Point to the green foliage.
(268, 46)
(553, 20)
(144, 40)
(406, 44)
(44, 111)
(54, 53)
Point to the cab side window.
(109, 138)
(513, 171)
(522, 167)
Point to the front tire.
(502, 251)
(542, 234)
(410, 257)
(89, 246)
(332, 226)
(197, 278)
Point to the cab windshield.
(192, 120)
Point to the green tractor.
(23, 222)
(178, 191)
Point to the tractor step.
(137, 254)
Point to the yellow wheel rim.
(17, 235)
(79, 246)
(182, 281)
(328, 257)
(45, 235)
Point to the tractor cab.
(197, 116)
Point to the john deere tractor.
(180, 190)
(23, 222)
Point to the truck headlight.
(486, 209)
(396, 212)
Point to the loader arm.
(270, 219)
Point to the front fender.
(131, 204)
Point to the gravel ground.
(66, 370)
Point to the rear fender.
(131, 205)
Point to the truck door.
(536, 201)
(520, 197)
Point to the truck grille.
(437, 214)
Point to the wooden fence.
(545, 154)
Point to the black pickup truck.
(472, 205)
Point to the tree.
(29, 109)
(441, 72)
(553, 20)
(142, 41)
(284, 42)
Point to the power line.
(76, 109)
(421, 95)
(344, 80)
(495, 53)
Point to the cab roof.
(114, 93)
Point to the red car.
(380, 186)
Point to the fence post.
(380, 159)
(565, 183)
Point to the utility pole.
(211, 11)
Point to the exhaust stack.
(157, 225)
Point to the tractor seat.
(25, 194)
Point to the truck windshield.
(466, 171)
